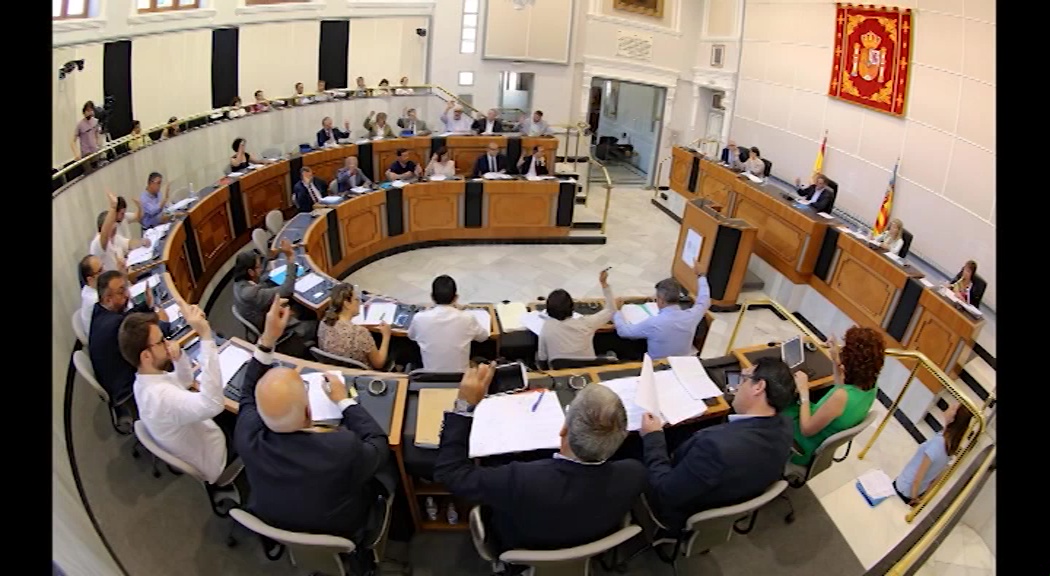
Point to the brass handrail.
(977, 424)
(783, 312)
(608, 189)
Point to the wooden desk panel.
(681, 168)
(360, 228)
(212, 227)
(315, 242)
(517, 204)
(326, 162)
(385, 152)
(264, 190)
(866, 280)
(433, 205)
(716, 182)
(177, 263)
(945, 335)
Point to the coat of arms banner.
(872, 57)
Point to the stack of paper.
(140, 255)
(307, 282)
(496, 176)
(398, 183)
(627, 390)
(482, 316)
(510, 423)
(235, 174)
(437, 177)
(181, 204)
(331, 199)
(826, 215)
(376, 312)
(635, 313)
(173, 312)
(694, 378)
(231, 358)
(510, 315)
(321, 406)
(659, 393)
(875, 486)
(752, 177)
(140, 287)
(360, 189)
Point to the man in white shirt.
(536, 126)
(109, 245)
(457, 121)
(178, 417)
(90, 268)
(444, 332)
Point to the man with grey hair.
(490, 124)
(305, 479)
(670, 333)
(574, 498)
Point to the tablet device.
(732, 381)
(791, 352)
(509, 378)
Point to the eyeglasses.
(160, 343)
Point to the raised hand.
(475, 383)
(276, 321)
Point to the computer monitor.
(791, 352)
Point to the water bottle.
(453, 516)
(193, 193)
(432, 509)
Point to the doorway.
(627, 119)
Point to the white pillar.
(585, 97)
(664, 148)
(695, 111)
(727, 104)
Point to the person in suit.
(252, 297)
(378, 128)
(490, 124)
(534, 164)
(308, 190)
(412, 124)
(350, 176)
(301, 479)
(734, 156)
(967, 286)
(725, 464)
(491, 161)
(818, 195)
(574, 498)
(328, 133)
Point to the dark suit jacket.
(540, 505)
(823, 204)
(322, 135)
(481, 165)
(718, 466)
(319, 483)
(111, 369)
(301, 196)
(479, 126)
(977, 288)
(540, 170)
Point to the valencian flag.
(887, 204)
(818, 164)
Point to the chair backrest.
(146, 439)
(253, 332)
(82, 363)
(311, 552)
(328, 358)
(479, 535)
(906, 236)
(274, 222)
(333, 187)
(769, 167)
(78, 327)
(824, 455)
(712, 527)
(702, 330)
(831, 184)
(977, 290)
(563, 363)
(261, 240)
(575, 556)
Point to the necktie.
(412, 127)
(330, 135)
(313, 192)
(492, 164)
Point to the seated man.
(90, 268)
(412, 124)
(304, 479)
(308, 190)
(728, 463)
(574, 498)
(457, 121)
(566, 337)
(114, 373)
(669, 333)
(151, 202)
(252, 298)
(492, 161)
(444, 332)
(350, 176)
(754, 163)
(535, 126)
(490, 124)
(329, 135)
(818, 195)
(177, 415)
(534, 164)
(403, 168)
(734, 156)
(109, 245)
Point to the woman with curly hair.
(845, 405)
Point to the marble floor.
(640, 249)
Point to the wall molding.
(629, 71)
(738, 25)
(174, 16)
(714, 78)
(77, 24)
(594, 12)
(312, 6)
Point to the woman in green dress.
(856, 369)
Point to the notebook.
(433, 402)
(637, 313)
(510, 315)
(322, 409)
(521, 422)
(875, 486)
(662, 394)
(278, 273)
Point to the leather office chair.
(769, 168)
(831, 184)
(78, 328)
(824, 455)
(251, 333)
(327, 358)
(122, 413)
(702, 330)
(274, 222)
(424, 375)
(977, 290)
(907, 237)
(543, 562)
(261, 240)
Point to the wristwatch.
(264, 348)
(462, 407)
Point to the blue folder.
(279, 277)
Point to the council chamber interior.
(457, 287)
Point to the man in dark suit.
(308, 190)
(820, 196)
(725, 464)
(329, 134)
(491, 161)
(571, 499)
(535, 161)
(303, 479)
(490, 124)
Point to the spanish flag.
(818, 164)
(887, 204)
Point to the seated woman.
(845, 405)
(337, 334)
(378, 128)
(238, 110)
(962, 285)
(171, 130)
(240, 159)
(384, 88)
(892, 239)
(139, 139)
(441, 164)
(931, 459)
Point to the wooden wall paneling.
(465, 150)
(857, 282)
(360, 227)
(434, 205)
(264, 190)
(315, 238)
(681, 166)
(177, 263)
(385, 152)
(520, 204)
(325, 163)
(213, 228)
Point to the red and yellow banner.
(872, 57)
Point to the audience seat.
(769, 168)
(78, 328)
(261, 240)
(907, 237)
(327, 358)
(251, 333)
(121, 413)
(274, 222)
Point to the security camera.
(421, 32)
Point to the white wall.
(171, 76)
(377, 43)
(69, 94)
(946, 186)
(272, 57)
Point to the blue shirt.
(151, 210)
(671, 332)
(934, 449)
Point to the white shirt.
(404, 91)
(535, 128)
(532, 168)
(88, 299)
(116, 250)
(446, 169)
(179, 419)
(490, 125)
(444, 334)
(453, 125)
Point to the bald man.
(490, 124)
(491, 161)
(302, 479)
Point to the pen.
(382, 316)
(538, 400)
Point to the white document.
(627, 390)
(360, 189)
(256, 166)
(363, 141)
(307, 282)
(638, 313)
(926, 282)
(140, 255)
(693, 377)
(180, 204)
(646, 396)
(321, 406)
(876, 484)
(438, 178)
(331, 199)
(484, 319)
(140, 287)
(510, 315)
(377, 312)
(505, 424)
(230, 361)
(675, 402)
(691, 247)
(753, 178)
(173, 312)
(235, 174)
(894, 257)
(399, 183)
(826, 215)
(533, 321)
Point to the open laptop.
(792, 353)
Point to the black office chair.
(906, 236)
(424, 375)
(337, 360)
(832, 184)
(769, 167)
(702, 330)
(977, 290)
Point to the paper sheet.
(533, 321)
(230, 361)
(506, 424)
(483, 317)
(826, 215)
(181, 204)
(693, 377)
(926, 282)
(140, 287)
(321, 406)
(876, 484)
(277, 274)
(140, 255)
(235, 174)
(646, 396)
(752, 177)
(437, 177)
(331, 199)
(173, 312)
(675, 402)
(307, 282)
(637, 313)
(627, 390)
(399, 183)
(510, 315)
(360, 189)
(376, 312)
(691, 247)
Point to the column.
(695, 111)
(585, 97)
(663, 150)
(727, 104)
